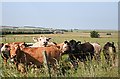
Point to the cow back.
(35, 55)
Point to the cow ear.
(35, 39)
(66, 42)
(79, 42)
(22, 46)
(7, 44)
(113, 43)
(49, 38)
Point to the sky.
(60, 0)
(63, 15)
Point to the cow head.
(42, 39)
(109, 44)
(72, 44)
(5, 49)
(13, 50)
(66, 47)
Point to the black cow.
(86, 51)
(80, 51)
(109, 51)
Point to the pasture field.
(92, 70)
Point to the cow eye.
(47, 39)
(6, 46)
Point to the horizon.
(61, 15)
(59, 28)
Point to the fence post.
(45, 63)
(5, 40)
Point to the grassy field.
(102, 70)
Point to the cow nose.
(13, 56)
(12, 60)
(45, 43)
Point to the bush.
(108, 34)
(94, 34)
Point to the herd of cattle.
(21, 52)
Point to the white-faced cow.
(42, 41)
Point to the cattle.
(1, 45)
(64, 47)
(33, 55)
(5, 53)
(5, 50)
(82, 52)
(28, 55)
(42, 41)
(109, 51)
(97, 51)
(86, 51)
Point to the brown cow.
(5, 50)
(34, 54)
(64, 47)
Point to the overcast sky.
(68, 15)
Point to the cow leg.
(114, 58)
(106, 55)
(21, 67)
(5, 61)
(5, 58)
(98, 58)
(73, 61)
(84, 59)
(89, 56)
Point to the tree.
(94, 34)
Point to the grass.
(103, 70)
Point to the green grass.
(92, 71)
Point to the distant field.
(102, 71)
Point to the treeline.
(27, 31)
(43, 32)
